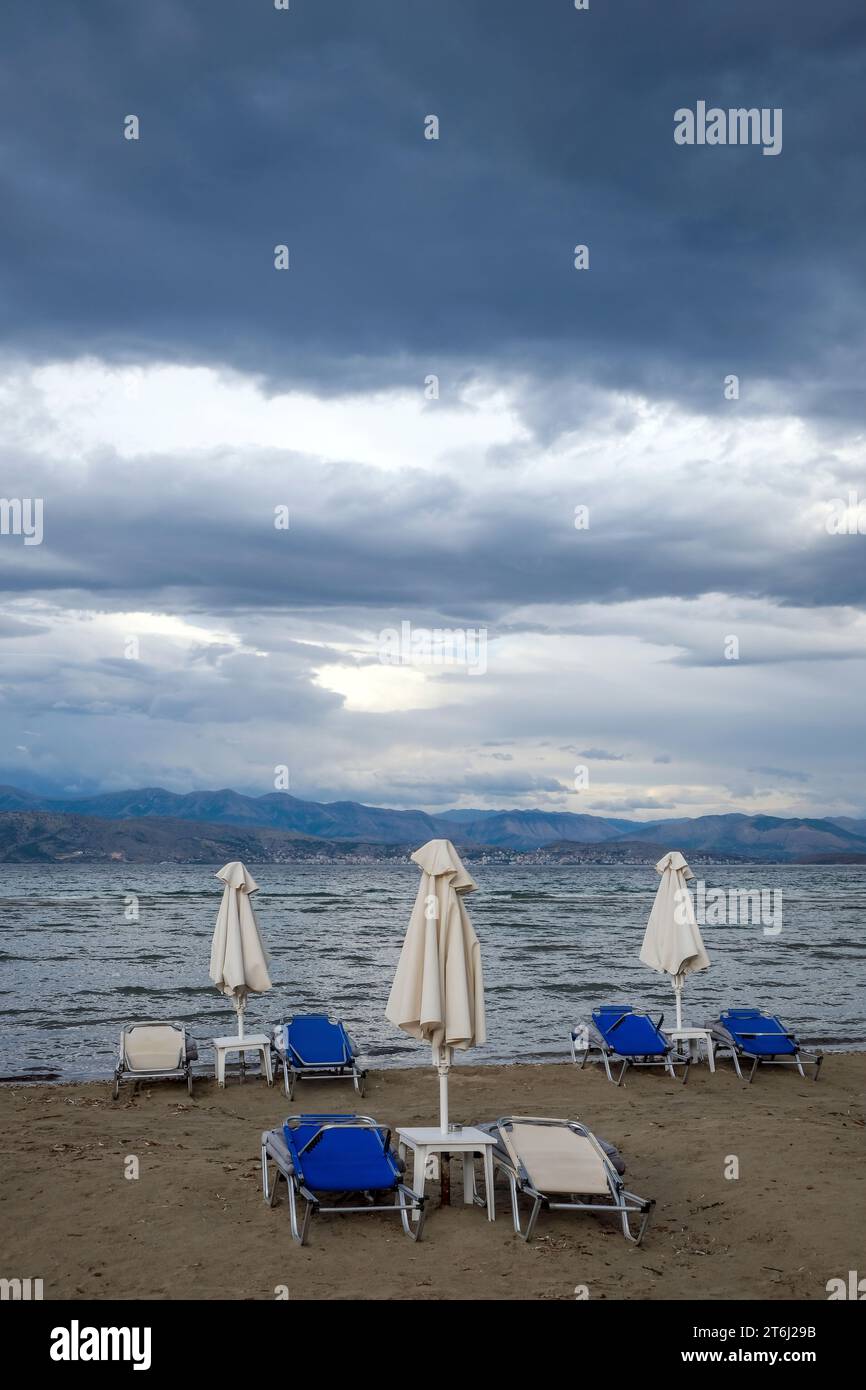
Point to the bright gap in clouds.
(166, 625)
(380, 689)
(80, 406)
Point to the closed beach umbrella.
(438, 990)
(672, 942)
(238, 965)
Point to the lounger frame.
(320, 1071)
(727, 1045)
(406, 1202)
(183, 1072)
(596, 1042)
(622, 1204)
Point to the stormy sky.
(427, 393)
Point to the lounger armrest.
(622, 1018)
(772, 1034)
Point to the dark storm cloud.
(305, 127)
(196, 533)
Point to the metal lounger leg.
(265, 1188)
(623, 1071)
(300, 1234)
(273, 1192)
(626, 1230)
(799, 1065)
(533, 1217)
(644, 1221)
(646, 1213)
(754, 1069)
(515, 1210)
(408, 1201)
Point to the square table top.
(432, 1137)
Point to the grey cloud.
(362, 539)
(454, 257)
(259, 128)
(786, 774)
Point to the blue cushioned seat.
(342, 1158)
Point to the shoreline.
(203, 1069)
(194, 1225)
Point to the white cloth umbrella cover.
(238, 962)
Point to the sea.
(87, 948)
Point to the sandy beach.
(193, 1225)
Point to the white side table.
(252, 1042)
(467, 1142)
(693, 1037)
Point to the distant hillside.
(532, 829)
(276, 810)
(277, 824)
(45, 837)
(333, 820)
(758, 837)
(857, 827)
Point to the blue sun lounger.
(313, 1045)
(752, 1036)
(340, 1155)
(622, 1034)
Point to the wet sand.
(193, 1225)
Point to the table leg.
(221, 1067)
(266, 1059)
(488, 1182)
(711, 1058)
(468, 1179)
(419, 1174)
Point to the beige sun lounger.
(154, 1051)
(561, 1166)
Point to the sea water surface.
(555, 942)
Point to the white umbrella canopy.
(438, 990)
(238, 962)
(672, 941)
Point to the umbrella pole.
(442, 1060)
(678, 991)
(239, 1007)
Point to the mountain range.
(150, 823)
